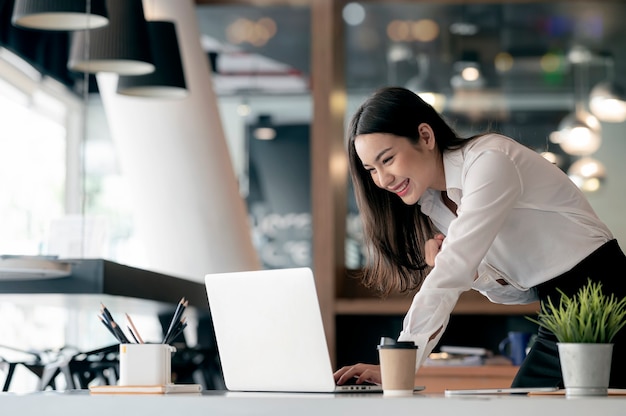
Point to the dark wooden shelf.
(470, 302)
(92, 281)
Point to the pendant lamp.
(607, 101)
(168, 78)
(580, 133)
(264, 129)
(587, 173)
(424, 85)
(60, 14)
(122, 46)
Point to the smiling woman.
(445, 214)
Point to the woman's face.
(399, 166)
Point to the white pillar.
(189, 213)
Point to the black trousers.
(542, 368)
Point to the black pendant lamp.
(122, 46)
(168, 78)
(60, 14)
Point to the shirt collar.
(453, 168)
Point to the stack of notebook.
(458, 356)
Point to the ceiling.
(525, 100)
(527, 30)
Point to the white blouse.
(519, 219)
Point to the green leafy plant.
(590, 316)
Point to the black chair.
(37, 362)
(100, 366)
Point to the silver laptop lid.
(269, 331)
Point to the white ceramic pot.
(586, 368)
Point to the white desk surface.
(52, 403)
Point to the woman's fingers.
(432, 248)
(362, 372)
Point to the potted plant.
(584, 325)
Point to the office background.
(62, 186)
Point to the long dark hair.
(395, 233)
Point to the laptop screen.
(269, 330)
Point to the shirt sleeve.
(491, 187)
(429, 311)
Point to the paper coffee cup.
(397, 367)
(145, 364)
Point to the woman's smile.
(402, 189)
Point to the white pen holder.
(145, 364)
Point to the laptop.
(269, 332)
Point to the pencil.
(177, 314)
(132, 334)
(120, 334)
(178, 332)
(105, 312)
(133, 330)
(105, 323)
(116, 329)
(178, 329)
